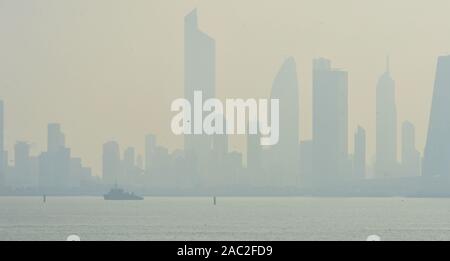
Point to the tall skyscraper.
(386, 127)
(199, 75)
(111, 163)
(54, 164)
(286, 151)
(359, 155)
(410, 155)
(130, 171)
(55, 139)
(22, 164)
(129, 158)
(436, 162)
(330, 124)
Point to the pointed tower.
(436, 162)
(386, 126)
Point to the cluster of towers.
(206, 163)
(52, 171)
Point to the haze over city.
(224, 120)
(84, 62)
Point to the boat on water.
(120, 194)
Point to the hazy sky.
(109, 69)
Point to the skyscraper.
(286, 151)
(410, 155)
(330, 124)
(386, 127)
(199, 75)
(436, 162)
(79, 175)
(54, 164)
(55, 138)
(22, 165)
(359, 155)
(130, 171)
(111, 163)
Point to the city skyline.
(208, 161)
(117, 76)
(224, 121)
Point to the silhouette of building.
(111, 163)
(386, 127)
(286, 153)
(55, 138)
(140, 162)
(25, 171)
(331, 163)
(79, 176)
(54, 164)
(359, 155)
(131, 173)
(436, 162)
(199, 75)
(410, 155)
(162, 176)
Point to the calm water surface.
(28, 218)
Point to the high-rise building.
(410, 155)
(54, 164)
(436, 162)
(111, 163)
(140, 162)
(386, 127)
(79, 175)
(129, 158)
(199, 75)
(330, 124)
(359, 155)
(22, 165)
(55, 138)
(131, 171)
(286, 153)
